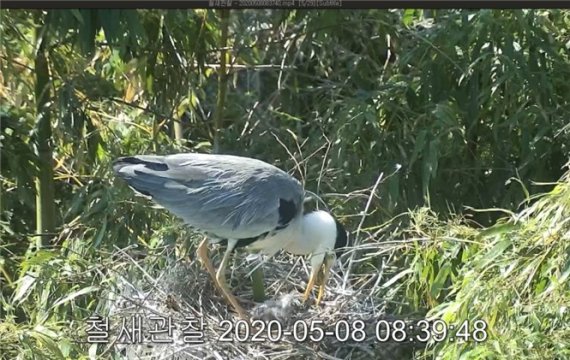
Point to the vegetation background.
(471, 106)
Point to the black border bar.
(283, 4)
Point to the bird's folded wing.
(228, 196)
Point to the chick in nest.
(276, 309)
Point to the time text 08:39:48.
(353, 331)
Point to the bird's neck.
(313, 232)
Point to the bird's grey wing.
(231, 197)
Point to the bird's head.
(329, 238)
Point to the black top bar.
(283, 4)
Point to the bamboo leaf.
(74, 295)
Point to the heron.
(240, 202)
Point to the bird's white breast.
(318, 234)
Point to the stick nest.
(183, 291)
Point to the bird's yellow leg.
(311, 284)
(323, 278)
(202, 253)
(223, 285)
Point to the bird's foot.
(242, 313)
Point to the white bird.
(242, 202)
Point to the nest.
(182, 298)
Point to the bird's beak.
(319, 277)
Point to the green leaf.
(419, 145)
(40, 334)
(397, 277)
(25, 285)
(495, 252)
(75, 294)
(440, 279)
(408, 17)
(40, 257)
(77, 15)
(100, 234)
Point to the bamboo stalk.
(222, 79)
(178, 132)
(45, 199)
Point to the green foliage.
(465, 101)
(513, 276)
